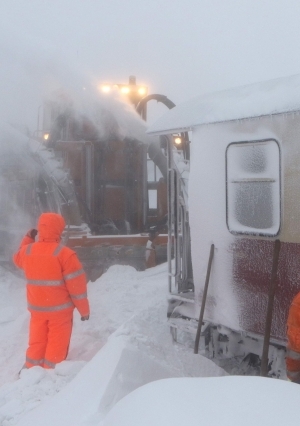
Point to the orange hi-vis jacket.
(293, 335)
(56, 281)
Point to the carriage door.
(179, 249)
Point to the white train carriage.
(243, 194)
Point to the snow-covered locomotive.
(92, 162)
(243, 194)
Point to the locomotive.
(228, 206)
(93, 163)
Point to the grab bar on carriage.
(172, 201)
(210, 259)
(269, 316)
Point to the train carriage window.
(253, 187)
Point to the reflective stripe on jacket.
(55, 278)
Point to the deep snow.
(226, 401)
(127, 305)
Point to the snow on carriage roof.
(254, 100)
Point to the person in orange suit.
(56, 284)
(293, 345)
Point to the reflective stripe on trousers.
(292, 354)
(49, 364)
(40, 362)
(50, 308)
(49, 337)
(34, 361)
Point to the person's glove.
(32, 233)
(85, 318)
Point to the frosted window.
(253, 187)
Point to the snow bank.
(227, 401)
(125, 344)
(114, 372)
(14, 320)
(35, 385)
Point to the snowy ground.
(214, 401)
(127, 305)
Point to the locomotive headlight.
(131, 91)
(177, 140)
(105, 88)
(125, 89)
(46, 136)
(142, 91)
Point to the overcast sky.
(180, 48)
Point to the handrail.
(211, 255)
(272, 290)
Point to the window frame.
(253, 233)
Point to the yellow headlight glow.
(46, 136)
(125, 89)
(105, 88)
(142, 91)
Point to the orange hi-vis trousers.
(49, 338)
(293, 346)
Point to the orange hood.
(50, 226)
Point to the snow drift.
(226, 401)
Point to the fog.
(178, 48)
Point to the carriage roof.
(281, 95)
